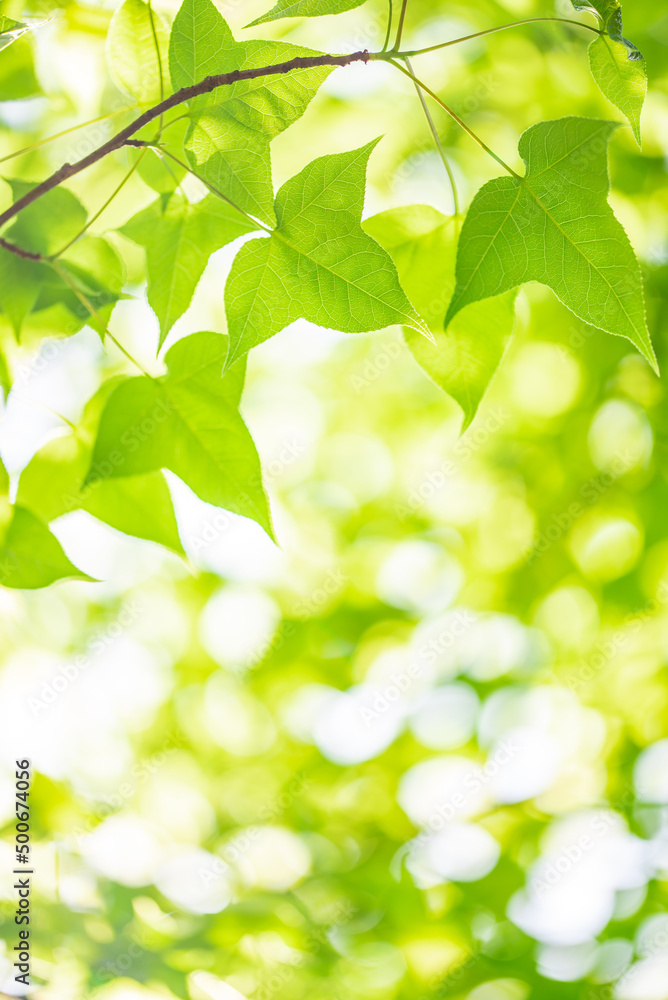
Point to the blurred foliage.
(235, 753)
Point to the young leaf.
(187, 421)
(228, 140)
(179, 238)
(90, 264)
(137, 52)
(610, 13)
(462, 359)
(35, 295)
(318, 263)
(305, 8)
(92, 267)
(621, 77)
(30, 556)
(96, 271)
(52, 485)
(616, 64)
(554, 225)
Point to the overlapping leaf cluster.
(310, 258)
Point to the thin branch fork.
(124, 137)
(185, 94)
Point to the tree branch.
(19, 251)
(185, 94)
(124, 137)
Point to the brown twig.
(185, 94)
(19, 251)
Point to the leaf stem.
(205, 86)
(32, 401)
(211, 83)
(67, 131)
(211, 188)
(99, 212)
(389, 27)
(455, 117)
(400, 29)
(437, 142)
(491, 31)
(156, 44)
(93, 311)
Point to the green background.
(543, 529)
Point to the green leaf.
(155, 167)
(17, 71)
(621, 78)
(554, 225)
(234, 162)
(96, 270)
(462, 359)
(187, 421)
(200, 43)
(47, 224)
(616, 64)
(318, 264)
(10, 30)
(228, 139)
(179, 238)
(20, 282)
(30, 556)
(45, 227)
(52, 485)
(35, 296)
(305, 8)
(137, 52)
(610, 13)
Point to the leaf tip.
(467, 420)
(426, 332)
